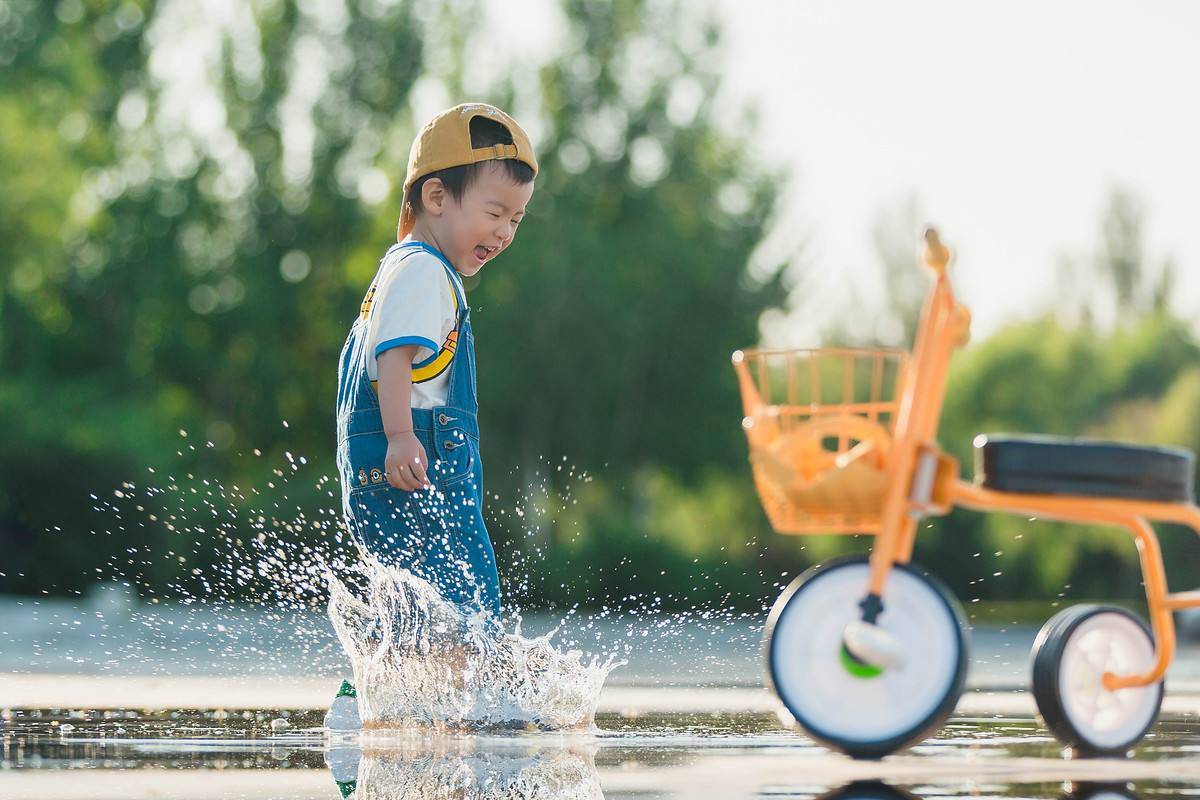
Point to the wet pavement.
(211, 755)
(687, 717)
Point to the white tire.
(865, 711)
(1072, 652)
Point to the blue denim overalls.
(438, 534)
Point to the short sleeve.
(408, 305)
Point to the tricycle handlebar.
(937, 255)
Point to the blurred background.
(195, 195)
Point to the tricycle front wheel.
(862, 710)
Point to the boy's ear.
(433, 196)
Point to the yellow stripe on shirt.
(435, 367)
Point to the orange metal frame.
(944, 327)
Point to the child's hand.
(405, 463)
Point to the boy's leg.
(463, 557)
(439, 536)
(481, 558)
(385, 523)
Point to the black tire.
(868, 748)
(1051, 465)
(1049, 650)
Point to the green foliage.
(661, 543)
(185, 235)
(186, 246)
(606, 332)
(1135, 383)
(187, 252)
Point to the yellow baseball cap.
(445, 142)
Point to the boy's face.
(484, 223)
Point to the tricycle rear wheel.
(1070, 656)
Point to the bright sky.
(1009, 122)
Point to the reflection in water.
(878, 790)
(1089, 790)
(459, 769)
(663, 756)
(462, 770)
(868, 790)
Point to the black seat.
(1051, 465)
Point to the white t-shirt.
(411, 301)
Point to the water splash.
(229, 576)
(421, 660)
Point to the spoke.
(1104, 650)
(1096, 660)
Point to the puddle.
(260, 755)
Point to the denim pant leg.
(389, 525)
(438, 535)
(464, 554)
(472, 545)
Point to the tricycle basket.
(819, 424)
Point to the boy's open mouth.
(483, 253)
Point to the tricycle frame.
(922, 480)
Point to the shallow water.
(652, 756)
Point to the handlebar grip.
(937, 256)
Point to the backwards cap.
(445, 142)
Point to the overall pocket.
(456, 449)
(366, 456)
(392, 524)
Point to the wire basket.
(820, 424)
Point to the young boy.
(408, 438)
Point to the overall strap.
(460, 299)
(460, 394)
(360, 332)
(438, 362)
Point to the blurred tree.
(197, 197)
(894, 236)
(605, 334)
(61, 67)
(1129, 286)
(205, 201)
(212, 187)
(1121, 254)
(1133, 383)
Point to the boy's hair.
(484, 133)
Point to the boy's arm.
(406, 461)
(395, 388)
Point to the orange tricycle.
(869, 653)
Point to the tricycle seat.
(1054, 465)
